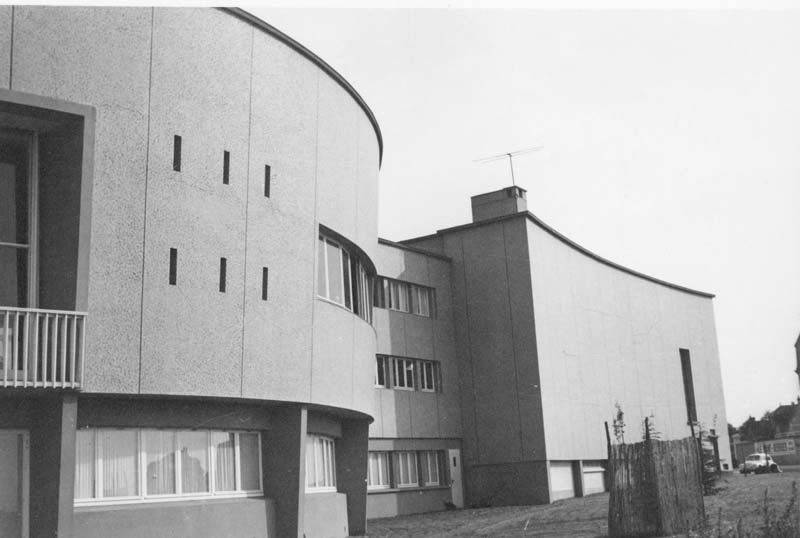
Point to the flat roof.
(536, 220)
(316, 60)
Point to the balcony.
(41, 348)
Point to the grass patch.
(752, 506)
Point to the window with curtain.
(320, 464)
(431, 460)
(378, 471)
(174, 463)
(407, 469)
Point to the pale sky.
(671, 145)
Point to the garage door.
(561, 483)
(593, 477)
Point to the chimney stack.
(494, 204)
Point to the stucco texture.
(221, 84)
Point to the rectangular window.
(430, 460)
(343, 279)
(404, 297)
(264, 283)
(381, 371)
(378, 472)
(267, 174)
(398, 296)
(223, 269)
(403, 374)
(173, 266)
(688, 385)
(406, 469)
(427, 376)
(320, 464)
(110, 464)
(176, 153)
(226, 167)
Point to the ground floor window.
(378, 473)
(320, 464)
(430, 460)
(406, 469)
(130, 465)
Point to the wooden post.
(646, 429)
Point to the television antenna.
(510, 155)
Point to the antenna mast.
(510, 155)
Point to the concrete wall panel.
(83, 67)
(607, 337)
(6, 14)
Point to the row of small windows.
(404, 296)
(405, 469)
(137, 465)
(343, 279)
(177, 142)
(407, 374)
(223, 274)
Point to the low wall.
(415, 501)
(232, 518)
(326, 515)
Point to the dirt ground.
(740, 498)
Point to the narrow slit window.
(226, 167)
(173, 266)
(264, 282)
(223, 269)
(176, 153)
(267, 174)
(688, 385)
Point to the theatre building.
(201, 333)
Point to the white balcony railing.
(41, 348)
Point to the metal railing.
(41, 348)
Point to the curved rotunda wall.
(221, 83)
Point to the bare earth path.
(742, 497)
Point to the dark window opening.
(264, 282)
(176, 153)
(223, 266)
(688, 386)
(226, 167)
(173, 266)
(267, 173)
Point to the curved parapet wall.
(272, 142)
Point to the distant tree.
(757, 430)
(650, 425)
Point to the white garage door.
(561, 483)
(593, 477)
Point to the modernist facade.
(202, 335)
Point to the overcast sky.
(671, 145)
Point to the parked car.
(759, 463)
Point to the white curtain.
(159, 447)
(193, 448)
(119, 450)
(84, 464)
(224, 473)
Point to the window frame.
(98, 499)
(389, 293)
(409, 456)
(428, 382)
(431, 456)
(407, 366)
(328, 448)
(356, 288)
(384, 479)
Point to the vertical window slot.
(173, 266)
(267, 174)
(226, 167)
(223, 266)
(176, 153)
(264, 282)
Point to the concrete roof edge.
(569, 242)
(416, 250)
(319, 62)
